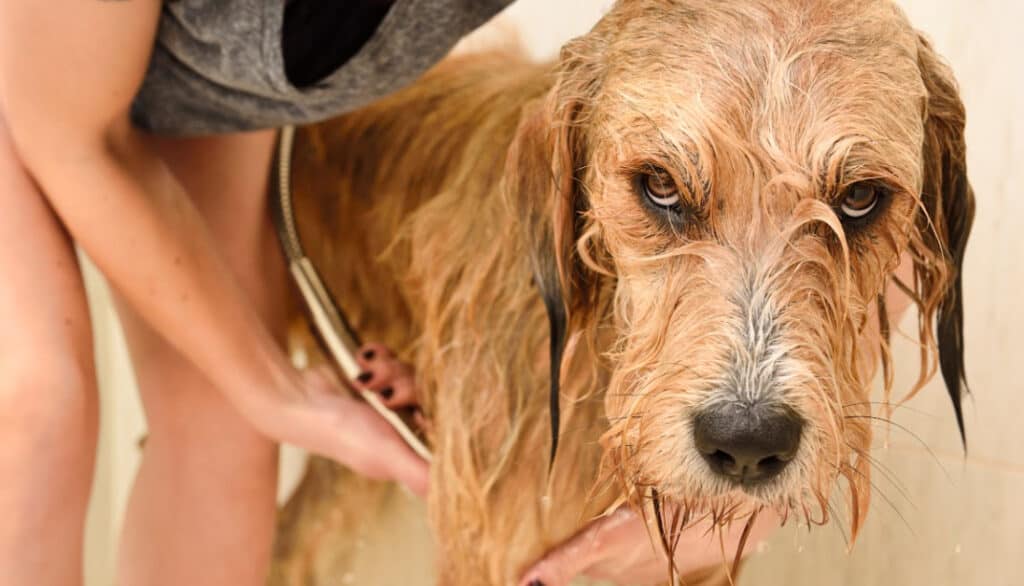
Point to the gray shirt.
(217, 65)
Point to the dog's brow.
(674, 153)
(856, 161)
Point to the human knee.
(46, 393)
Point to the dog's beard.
(783, 336)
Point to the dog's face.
(743, 179)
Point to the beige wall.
(945, 519)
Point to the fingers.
(388, 457)
(553, 570)
(355, 435)
(422, 422)
(394, 381)
(571, 558)
(614, 548)
(308, 412)
(411, 471)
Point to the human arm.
(68, 74)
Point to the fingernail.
(369, 354)
(387, 393)
(364, 377)
(536, 583)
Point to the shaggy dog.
(689, 221)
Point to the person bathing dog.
(124, 131)
(141, 131)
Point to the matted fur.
(439, 217)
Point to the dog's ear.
(944, 224)
(545, 189)
(544, 184)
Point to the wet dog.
(693, 216)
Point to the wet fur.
(445, 217)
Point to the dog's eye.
(860, 199)
(659, 187)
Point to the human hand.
(313, 411)
(384, 374)
(617, 548)
(394, 381)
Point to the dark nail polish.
(536, 583)
(369, 354)
(364, 377)
(387, 393)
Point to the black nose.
(747, 444)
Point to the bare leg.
(48, 399)
(203, 507)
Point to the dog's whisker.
(881, 493)
(839, 523)
(885, 471)
(923, 444)
(893, 405)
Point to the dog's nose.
(747, 444)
